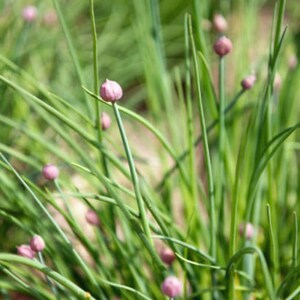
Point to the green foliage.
(190, 156)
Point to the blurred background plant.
(51, 68)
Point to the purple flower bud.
(111, 91)
(248, 82)
(105, 121)
(37, 243)
(26, 251)
(29, 13)
(171, 287)
(92, 218)
(249, 231)
(167, 256)
(50, 172)
(222, 46)
(220, 23)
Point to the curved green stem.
(57, 227)
(13, 259)
(250, 250)
(50, 283)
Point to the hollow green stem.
(278, 29)
(96, 85)
(222, 133)
(134, 177)
(152, 129)
(75, 289)
(211, 191)
(103, 157)
(272, 243)
(235, 194)
(295, 241)
(190, 130)
(50, 283)
(95, 73)
(221, 111)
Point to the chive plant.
(190, 191)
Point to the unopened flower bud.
(92, 217)
(105, 121)
(219, 23)
(29, 13)
(248, 231)
(222, 46)
(171, 287)
(37, 243)
(50, 172)
(167, 256)
(26, 251)
(111, 91)
(248, 82)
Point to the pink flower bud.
(37, 243)
(111, 91)
(248, 82)
(92, 218)
(222, 46)
(50, 172)
(29, 13)
(171, 287)
(167, 256)
(249, 231)
(105, 121)
(26, 251)
(219, 23)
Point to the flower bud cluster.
(36, 244)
